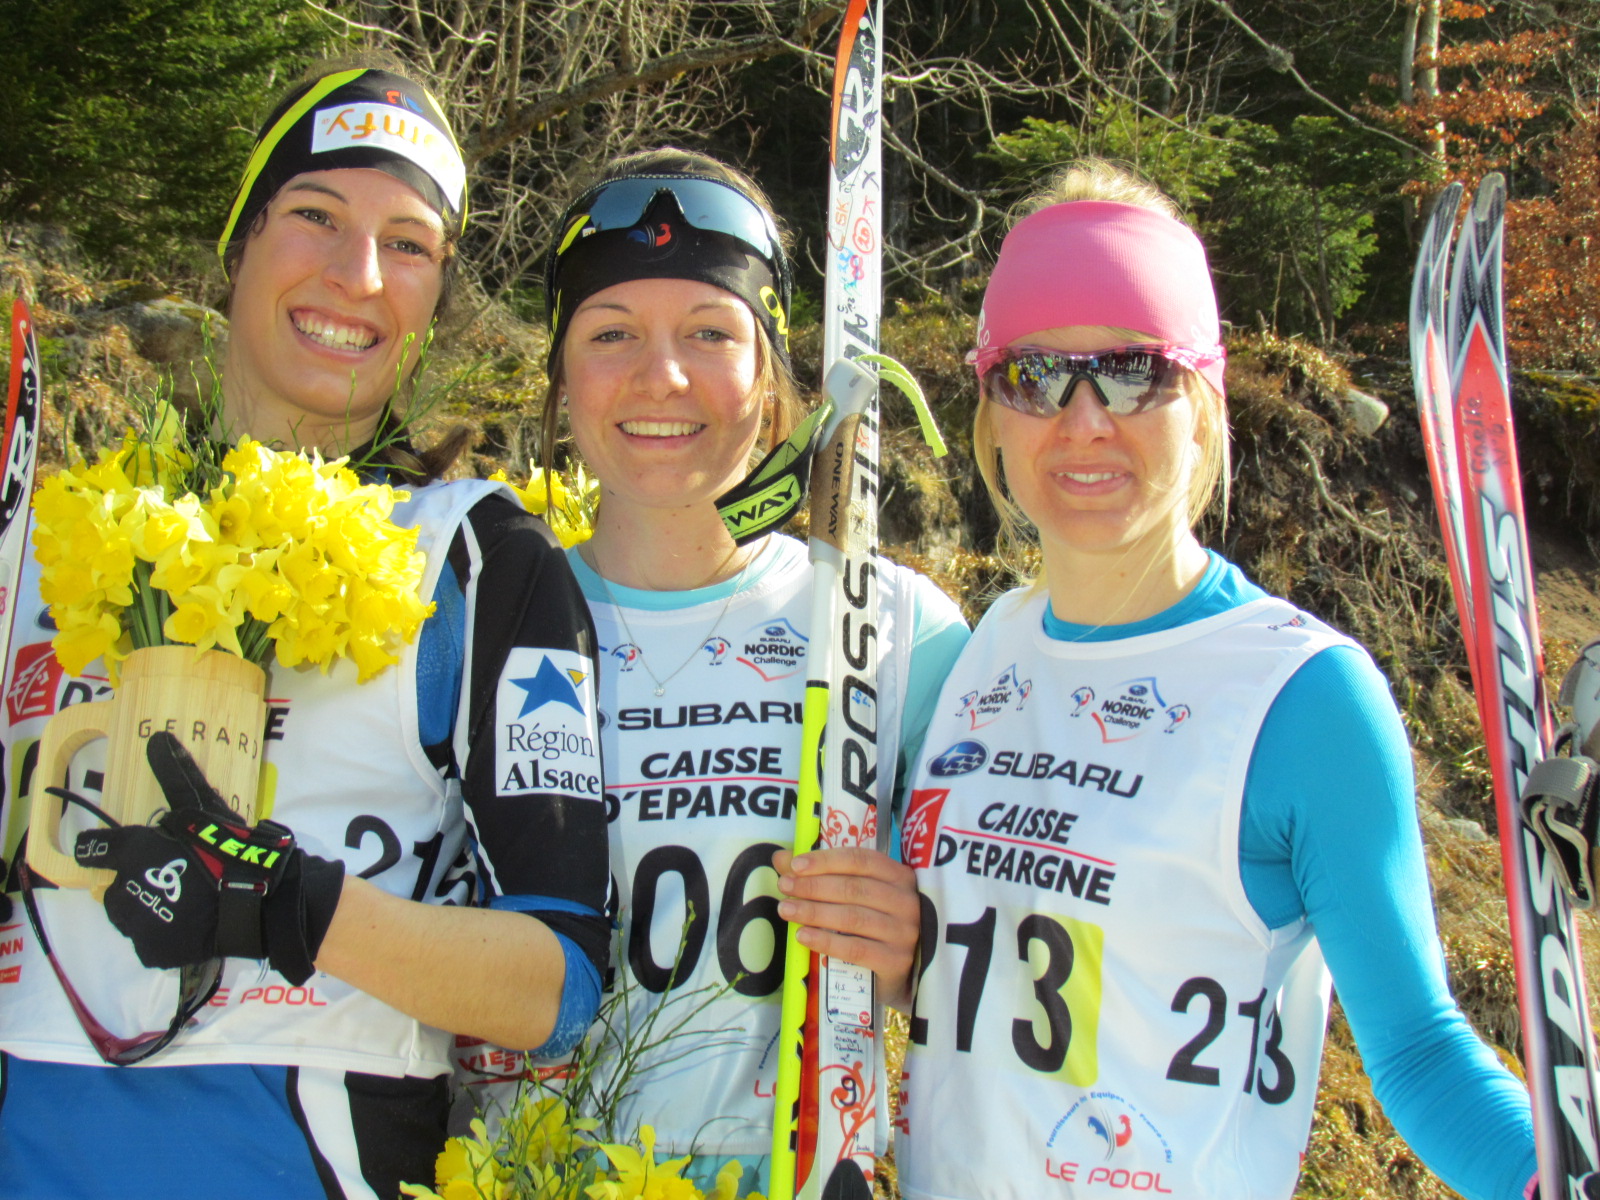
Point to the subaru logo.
(961, 759)
(1137, 689)
(775, 631)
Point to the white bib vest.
(1097, 991)
(344, 770)
(700, 790)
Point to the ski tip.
(855, 14)
(1490, 197)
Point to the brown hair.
(1099, 179)
(774, 377)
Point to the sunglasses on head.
(706, 204)
(1128, 380)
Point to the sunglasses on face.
(1128, 380)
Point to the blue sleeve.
(939, 632)
(1330, 785)
(441, 649)
(580, 987)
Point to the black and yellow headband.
(363, 117)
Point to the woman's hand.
(856, 904)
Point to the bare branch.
(524, 120)
(1282, 60)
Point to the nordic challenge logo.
(921, 827)
(1133, 708)
(1007, 693)
(774, 649)
(961, 759)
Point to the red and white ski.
(19, 445)
(18, 451)
(1472, 457)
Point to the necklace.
(644, 659)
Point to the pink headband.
(1090, 262)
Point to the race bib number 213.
(1027, 988)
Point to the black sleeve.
(529, 748)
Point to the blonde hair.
(774, 378)
(1096, 179)
(1105, 181)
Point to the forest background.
(1305, 138)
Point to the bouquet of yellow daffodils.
(567, 501)
(543, 1152)
(247, 550)
(559, 1139)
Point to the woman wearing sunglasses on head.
(421, 885)
(669, 294)
(1153, 799)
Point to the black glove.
(200, 883)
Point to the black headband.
(358, 118)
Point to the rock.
(173, 335)
(1364, 411)
(171, 332)
(1466, 830)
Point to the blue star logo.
(551, 685)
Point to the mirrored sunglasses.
(706, 204)
(1128, 380)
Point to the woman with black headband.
(434, 880)
(669, 296)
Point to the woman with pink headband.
(1155, 801)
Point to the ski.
(19, 445)
(1501, 624)
(827, 1110)
(1430, 375)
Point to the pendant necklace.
(644, 658)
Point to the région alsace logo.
(545, 742)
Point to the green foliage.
(1287, 216)
(1294, 230)
(1189, 163)
(127, 120)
